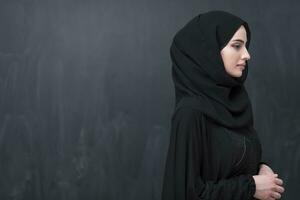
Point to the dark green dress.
(208, 161)
(214, 149)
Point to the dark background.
(86, 94)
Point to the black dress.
(214, 149)
(208, 161)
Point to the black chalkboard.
(86, 94)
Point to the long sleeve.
(183, 179)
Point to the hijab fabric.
(199, 74)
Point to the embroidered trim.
(243, 153)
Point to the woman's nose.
(246, 55)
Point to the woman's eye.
(237, 46)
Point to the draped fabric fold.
(214, 149)
(198, 70)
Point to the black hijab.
(199, 74)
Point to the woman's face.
(235, 53)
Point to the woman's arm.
(183, 179)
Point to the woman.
(214, 150)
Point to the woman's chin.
(237, 74)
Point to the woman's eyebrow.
(239, 40)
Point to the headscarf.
(199, 74)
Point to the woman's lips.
(241, 66)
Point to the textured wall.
(86, 94)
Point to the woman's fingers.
(278, 181)
(276, 195)
(279, 189)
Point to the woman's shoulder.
(187, 113)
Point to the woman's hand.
(265, 170)
(268, 187)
